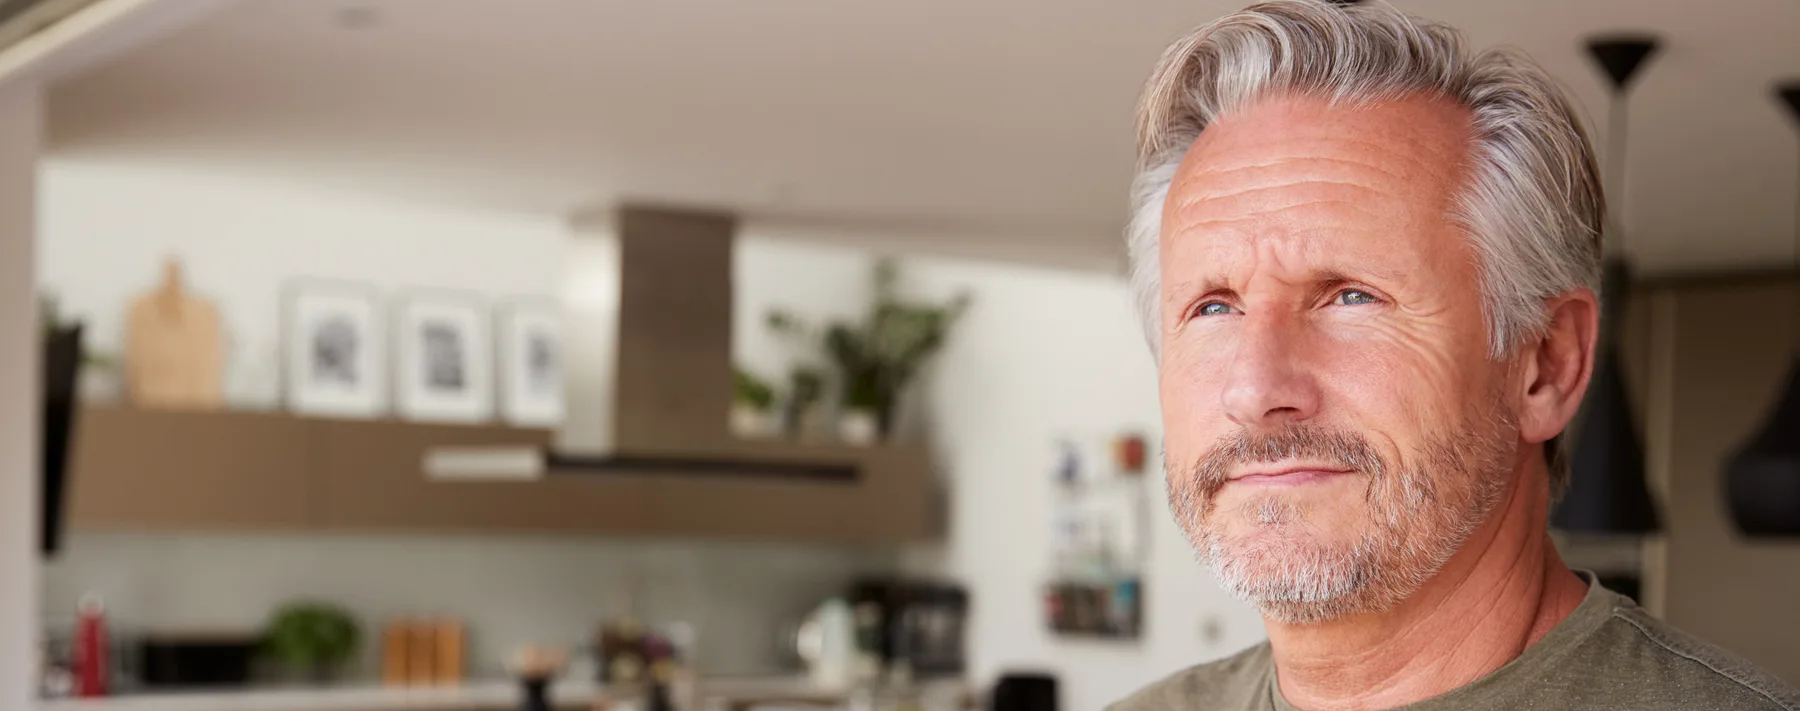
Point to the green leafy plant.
(49, 313)
(877, 357)
(753, 391)
(312, 637)
(805, 387)
(51, 320)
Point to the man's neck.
(1502, 592)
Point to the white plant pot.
(101, 385)
(751, 423)
(858, 427)
(814, 426)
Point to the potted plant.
(312, 641)
(877, 357)
(806, 387)
(95, 374)
(752, 405)
(862, 402)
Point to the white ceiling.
(1004, 119)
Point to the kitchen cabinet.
(137, 469)
(229, 471)
(890, 500)
(373, 481)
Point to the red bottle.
(90, 647)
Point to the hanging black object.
(1762, 480)
(1607, 491)
(1620, 56)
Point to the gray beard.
(1424, 512)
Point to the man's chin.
(1288, 574)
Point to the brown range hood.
(661, 408)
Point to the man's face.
(1335, 426)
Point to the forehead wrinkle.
(1227, 149)
(1309, 258)
(1219, 190)
(1243, 205)
(1208, 167)
(1246, 224)
(1201, 195)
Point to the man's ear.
(1558, 364)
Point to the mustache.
(1342, 448)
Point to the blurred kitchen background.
(762, 354)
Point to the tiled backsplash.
(510, 590)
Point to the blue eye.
(1354, 297)
(1215, 308)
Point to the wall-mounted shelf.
(146, 470)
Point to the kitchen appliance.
(918, 624)
(827, 642)
(196, 661)
(1025, 692)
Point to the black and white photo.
(444, 354)
(333, 351)
(531, 367)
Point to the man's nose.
(1268, 382)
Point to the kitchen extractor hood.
(648, 359)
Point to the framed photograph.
(444, 358)
(333, 353)
(531, 363)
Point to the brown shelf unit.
(148, 470)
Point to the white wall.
(1041, 354)
(818, 283)
(108, 227)
(20, 130)
(1044, 354)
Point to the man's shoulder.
(1235, 682)
(1665, 662)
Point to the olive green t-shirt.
(1608, 654)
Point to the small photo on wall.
(333, 353)
(531, 363)
(444, 358)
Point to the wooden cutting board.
(173, 348)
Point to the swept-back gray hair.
(1533, 205)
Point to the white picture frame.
(333, 355)
(533, 372)
(443, 358)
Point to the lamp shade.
(1762, 479)
(1762, 482)
(1607, 493)
(1621, 55)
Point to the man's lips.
(1287, 476)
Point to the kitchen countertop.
(472, 695)
(495, 694)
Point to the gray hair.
(1533, 206)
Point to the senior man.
(1367, 262)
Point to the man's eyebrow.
(1368, 271)
(1331, 275)
(1200, 286)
